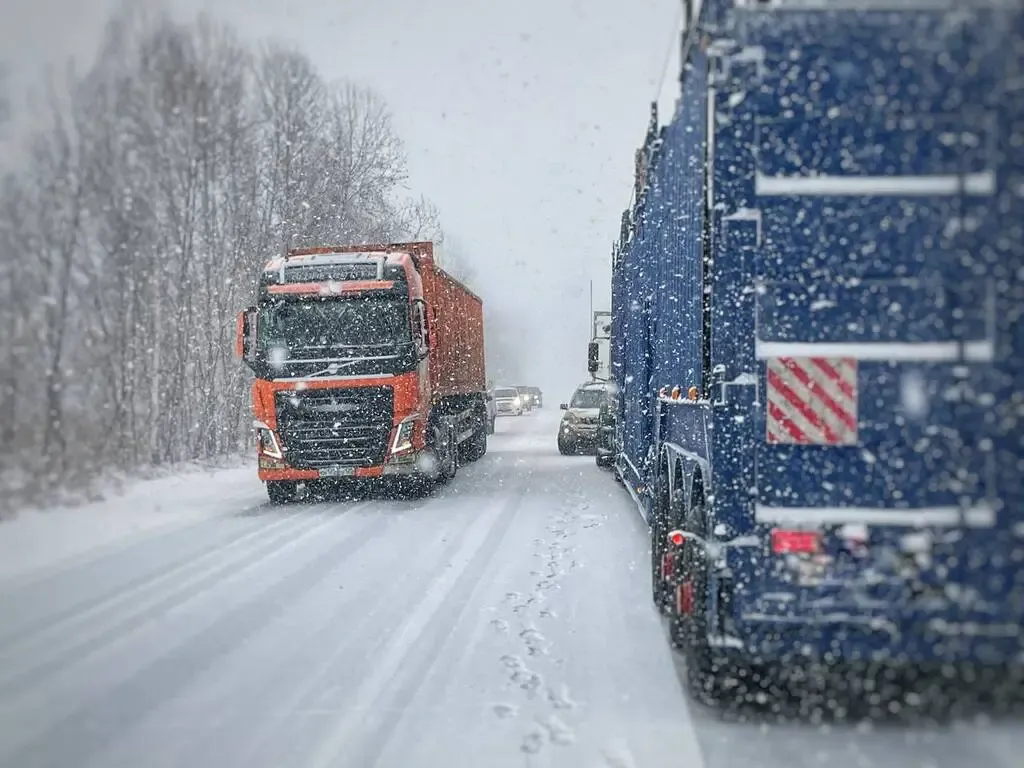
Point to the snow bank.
(40, 540)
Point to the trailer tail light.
(677, 538)
(795, 542)
(667, 566)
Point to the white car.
(507, 402)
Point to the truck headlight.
(266, 441)
(516, 402)
(403, 436)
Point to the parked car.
(578, 431)
(507, 402)
(525, 397)
(536, 396)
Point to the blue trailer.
(817, 340)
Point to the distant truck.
(816, 336)
(369, 363)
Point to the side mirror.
(564, 406)
(245, 335)
(592, 356)
(421, 329)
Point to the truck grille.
(327, 427)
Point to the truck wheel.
(661, 582)
(476, 446)
(690, 632)
(566, 447)
(447, 454)
(282, 491)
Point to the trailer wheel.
(689, 631)
(282, 491)
(662, 561)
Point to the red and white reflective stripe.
(812, 401)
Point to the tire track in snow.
(16, 584)
(390, 605)
(549, 726)
(445, 597)
(30, 723)
(76, 636)
(67, 622)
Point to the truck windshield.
(310, 325)
(505, 394)
(587, 398)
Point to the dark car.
(537, 396)
(578, 432)
(525, 397)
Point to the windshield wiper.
(341, 362)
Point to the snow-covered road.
(504, 622)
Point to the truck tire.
(566, 447)
(282, 491)
(705, 670)
(474, 448)
(661, 516)
(447, 453)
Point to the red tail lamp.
(795, 542)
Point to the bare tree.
(169, 172)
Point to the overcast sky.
(520, 120)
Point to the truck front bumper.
(407, 466)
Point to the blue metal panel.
(678, 197)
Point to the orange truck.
(369, 364)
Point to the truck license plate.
(337, 471)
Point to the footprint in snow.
(505, 711)
(560, 699)
(527, 680)
(500, 625)
(547, 613)
(532, 743)
(558, 732)
(618, 756)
